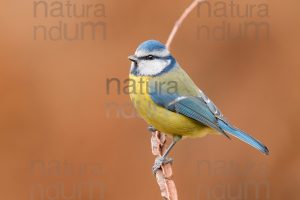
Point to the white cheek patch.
(152, 67)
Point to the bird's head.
(151, 58)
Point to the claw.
(151, 129)
(159, 162)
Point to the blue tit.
(168, 100)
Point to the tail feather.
(243, 136)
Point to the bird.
(169, 101)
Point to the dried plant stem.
(158, 139)
(178, 23)
(163, 175)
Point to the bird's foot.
(151, 129)
(159, 162)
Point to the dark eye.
(149, 57)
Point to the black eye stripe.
(154, 57)
(148, 57)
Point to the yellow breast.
(159, 117)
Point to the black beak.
(133, 58)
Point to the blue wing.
(193, 107)
(196, 105)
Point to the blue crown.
(151, 45)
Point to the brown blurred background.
(60, 128)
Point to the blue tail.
(243, 136)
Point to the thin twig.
(158, 140)
(163, 175)
(178, 23)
